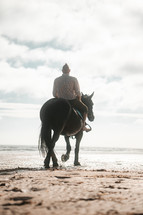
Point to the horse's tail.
(44, 139)
(54, 115)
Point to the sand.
(71, 192)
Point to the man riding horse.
(67, 87)
(64, 115)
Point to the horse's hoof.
(64, 157)
(55, 165)
(47, 166)
(77, 164)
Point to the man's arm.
(55, 89)
(77, 89)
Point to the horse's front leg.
(66, 156)
(78, 140)
(54, 159)
(47, 160)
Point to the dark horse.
(59, 118)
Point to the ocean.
(91, 158)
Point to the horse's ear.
(82, 95)
(91, 95)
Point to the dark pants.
(79, 105)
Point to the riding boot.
(84, 124)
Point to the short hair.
(65, 68)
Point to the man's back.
(66, 87)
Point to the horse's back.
(55, 111)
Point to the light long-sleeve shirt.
(66, 87)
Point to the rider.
(67, 87)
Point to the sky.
(102, 42)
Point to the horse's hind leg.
(54, 140)
(50, 143)
(78, 139)
(50, 154)
(66, 156)
(47, 139)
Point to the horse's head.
(87, 100)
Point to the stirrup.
(88, 126)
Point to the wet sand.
(71, 191)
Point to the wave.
(95, 150)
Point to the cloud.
(123, 115)
(18, 110)
(81, 23)
(139, 122)
(35, 45)
(133, 69)
(34, 83)
(10, 50)
(101, 42)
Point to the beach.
(71, 191)
(109, 181)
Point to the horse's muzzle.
(91, 117)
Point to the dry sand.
(71, 192)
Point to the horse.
(58, 117)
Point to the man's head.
(66, 69)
